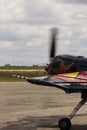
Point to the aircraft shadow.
(35, 123)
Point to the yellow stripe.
(73, 75)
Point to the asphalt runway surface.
(24, 106)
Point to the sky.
(25, 29)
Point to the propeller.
(54, 32)
(52, 52)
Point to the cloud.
(5, 45)
(72, 1)
(11, 10)
(25, 29)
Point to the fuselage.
(67, 63)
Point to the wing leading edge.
(69, 82)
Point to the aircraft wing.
(69, 82)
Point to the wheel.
(64, 124)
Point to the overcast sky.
(25, 29)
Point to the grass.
(21, 67)
(6, 75)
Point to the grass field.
(21, 67)
(6, 75)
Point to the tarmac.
(24, 106)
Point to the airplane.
(66, 72)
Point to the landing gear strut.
(65, 123)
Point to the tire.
(64, 124)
